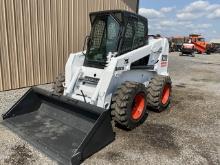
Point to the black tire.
(123, 105)
(58, 84)
(155, 92)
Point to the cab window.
(139, 37)
(128, 37)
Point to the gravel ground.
(187, 133)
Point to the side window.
(113, 29)
(139, 37)
(98, 33)
(128, 38)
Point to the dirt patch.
(208, 79)
(193, 97)
(202, 71)
(154, 137)
(20, 155)
(202, 79)
(205, 149)
(113, 156)
(181, 94)
(181, 85)
(210, 158)
(206, 63)
(161, 137)
(194, 108)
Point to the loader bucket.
(66, 130)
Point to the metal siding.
(70, 37)
(4, 59)
(80, 23)
(12, 47)
(35, 42)
(20, 43)
(42, 42)
(48, 37)
(54, 37)
(76, 25)
(65, 34)
(28, 42)
(37, 36)
(1, 85)
(60, 29)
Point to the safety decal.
(163, 63)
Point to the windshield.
(105, 31)
(201, 39)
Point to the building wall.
(36, 36)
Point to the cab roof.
(120, 14)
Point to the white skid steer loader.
(119, 75)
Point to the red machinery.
(199, 42)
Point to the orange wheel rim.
(138, 106)
(165, 94)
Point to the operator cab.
(114, 33)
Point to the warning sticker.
(163, 63)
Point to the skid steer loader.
(116, 78)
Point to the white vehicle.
(188, 49)
(118, 76)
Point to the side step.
(66, 130)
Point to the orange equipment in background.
(200, 44)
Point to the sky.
(182, 17)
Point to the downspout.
(137, 6)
